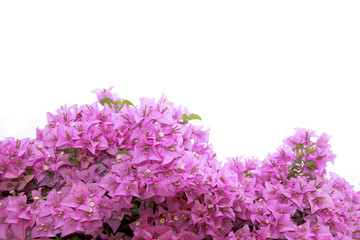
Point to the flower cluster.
(112, 170)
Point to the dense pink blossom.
(112, 170)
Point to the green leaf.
(134, 210)
(309, 175)
(193, 116)
(99, 161)
(29, 171)
(299, 146)
(74, 161)
(119, 102)
(65, 150)
(184, 118)
(123, 152)
(292, 174)
(127, 102)
(294, 166)
(109, 101)
(313, 150)
(299, 155)
(311, 165)
(247, 174)
(74, 238)
(152, 205)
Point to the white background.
(253, 70)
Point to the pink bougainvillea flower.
(103, 93)
(301, 232)
(118, 171)
(155, 232)
(302, 136)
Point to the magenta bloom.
(113, 170)
(156, 232)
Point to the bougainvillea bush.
(112, 170)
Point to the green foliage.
(29, 171)
(311, 165)
(186, 118)
(135, 210)
(301, 162)
(247, 174)
(109, 101)
(122, 152)
(299, 155)
(118, 104)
